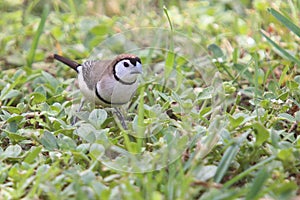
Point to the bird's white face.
(127, 70)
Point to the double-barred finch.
(110, 83)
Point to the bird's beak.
(138, 69)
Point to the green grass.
(215, 117)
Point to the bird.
(109, 83)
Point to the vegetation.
(215, 117)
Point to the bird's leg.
(121, 118)
(75, 119)
(81, 104)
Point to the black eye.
(126, 64)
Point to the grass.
(215, 116)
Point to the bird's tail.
(71, 63)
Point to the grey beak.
(138, 69)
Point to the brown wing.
(94, 70)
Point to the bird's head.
(127, 67)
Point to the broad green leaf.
(15, 137)
(50, 79)
(206, 93)
(13, 151)
(101, 29)
(87, 177)
(97, 117)
(284, 96)
(83, 147)
(41, 89)
(57, 32)
(297, 79)
(37, 98)
(97, 151)
(32, 154)
(235, 121)
(12, 109)
(10, 94)
(287, 117)
(5, 116)
(87, 132)
(66, 143)
(262, 134)
(49, 141)
(243, 70)
(205, 173)
(216, 51)
(205, 111)
(13, 126)
(83, 115)
(286, 155)
(260, 76)
(16, 118)
(286, 190)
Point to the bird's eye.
(126, 64)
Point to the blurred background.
(76, 27)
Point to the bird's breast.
(115, 92)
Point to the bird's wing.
(94, 70)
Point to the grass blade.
(141, 111)
(248, 171)
(72, 7)
(226, 160)
(281, 51)
(257, 184)
(31, 54)
(288, 23)
(170, 60)
(168, 17)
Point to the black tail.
(70, 63)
